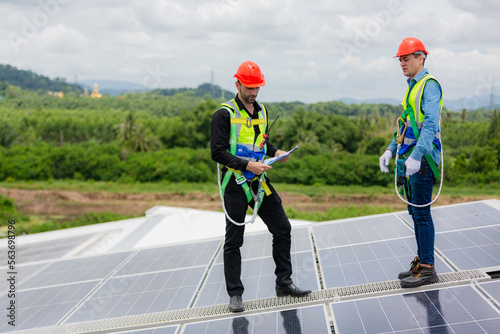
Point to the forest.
(164, 136)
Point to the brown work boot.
(410, 272)
(422, 275)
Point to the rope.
(442, 174)
(257, 199)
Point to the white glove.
(384, 161)
(412, 166)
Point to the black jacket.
(220, 134)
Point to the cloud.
(319, 50)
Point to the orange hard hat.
(410, 45)
(249, 75)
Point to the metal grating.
(253, 306)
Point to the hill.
(31, 81)
(214, 91)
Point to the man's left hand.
(280, 153)
(412, 166)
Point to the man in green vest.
(239, 140)
(418, 143)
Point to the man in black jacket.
(252, 145)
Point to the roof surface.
(162, 273)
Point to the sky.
(308, 51)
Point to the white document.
(270, 161)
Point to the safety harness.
(407, 119)
(236, 148)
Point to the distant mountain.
(113, 87)
(214, 91)
(474, 102)
(471, 103)
(117, 88)
(32, 81)
(370, 101)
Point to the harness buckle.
(240, 179)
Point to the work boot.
(236, 304)
(291, 290)
(413, 265)
(421, 276)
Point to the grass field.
(49, 205)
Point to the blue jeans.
(421, 185)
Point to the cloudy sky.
(309, 51)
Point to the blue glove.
(412, 166)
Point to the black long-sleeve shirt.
(220, 130)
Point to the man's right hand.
(258, 167)
(384, 161)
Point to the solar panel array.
(56, 293)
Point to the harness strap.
(241, 180)
(249, 122)
(409, 112)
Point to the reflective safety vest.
(412, 121)
(244, 144)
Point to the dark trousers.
(272, 213)
(421, 185)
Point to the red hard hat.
(249, 75)
(410, 45)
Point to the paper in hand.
(270, 161)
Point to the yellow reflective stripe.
(246, 121)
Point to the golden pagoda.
(95, 93)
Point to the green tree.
(136, 136)
(494, 127)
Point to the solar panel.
(358, 261)
(450, 310)
(141, 294)
(361, 230)
(493, 289)
(159, 330)
(369, 262)
(171, 257)
(47, 250)
(457, 217)
(76, 270)
(260, 244)
(258, 278)
(45, 306)
(471, 249)
(301, 320)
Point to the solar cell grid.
(360, 231)
(47, 250)
(493, 288)
(45, 306)
(471, 249)
(141, 294)
(463, 216)
(369, 262)
(171, 257)
(76, 270)
(301, 320)
(433, 311)
(259, 279)
(160, 330)
(260, 245)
